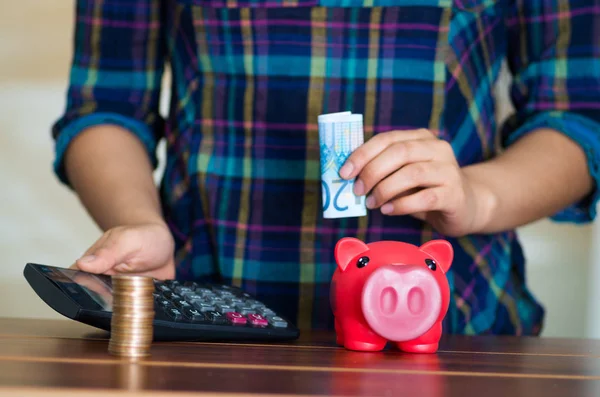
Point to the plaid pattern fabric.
(241, 189)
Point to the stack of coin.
(133, 312)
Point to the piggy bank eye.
(430, 264)
(362, 262)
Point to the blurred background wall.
(42, 221)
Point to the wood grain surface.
(42, 357)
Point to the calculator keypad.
(213, 304)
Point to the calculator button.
(265, 311)
(244, 309)
(181, 304)
(236, 318)
(277, 322)
(181, 289)
(174, 313)
(165, 303)
(172, 283)
(234, 301)
(223, 308)
(204, 291)
(163, 288)
(157, 296)
(203, 306)
(215, 317)
(193, 314)
(175, 297)
(193, 298)
(170, 295)
(257, 320)
(185, 294)
(254, 304)
(217, 301)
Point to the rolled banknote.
(339, 135)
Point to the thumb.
(114, 250)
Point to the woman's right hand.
(143, 249)
(111, 172)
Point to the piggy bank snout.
(401, 302)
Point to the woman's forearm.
(537, 176)
(110, 170)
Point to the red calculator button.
(236, 318)
(258, 320)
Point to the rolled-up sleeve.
(116, 72)
(554, 56)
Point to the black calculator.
(184, 311)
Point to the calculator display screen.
(96, 287)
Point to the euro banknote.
(339, 135)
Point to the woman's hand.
(111, 172)
(145, 249)
(415, 173)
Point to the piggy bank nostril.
(416, 300)
(388, 300)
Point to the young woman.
(240, 200)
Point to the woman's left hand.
(415, 173)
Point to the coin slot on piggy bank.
(390, 291)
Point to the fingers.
(410, 177)
(394, 157)
(86, 254)
(113, 249)
(425, 200)
(378, 143)
(142, 250)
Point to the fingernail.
(370, 202)
(346, 170)
(387, 208)
(86, 259)
(359, 188)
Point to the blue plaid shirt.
(241, 190)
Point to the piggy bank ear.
(347, 249)
(441, 251)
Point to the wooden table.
(45, 357)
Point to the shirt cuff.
(584, 132)
(75, 127)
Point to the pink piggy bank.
(390, 291)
